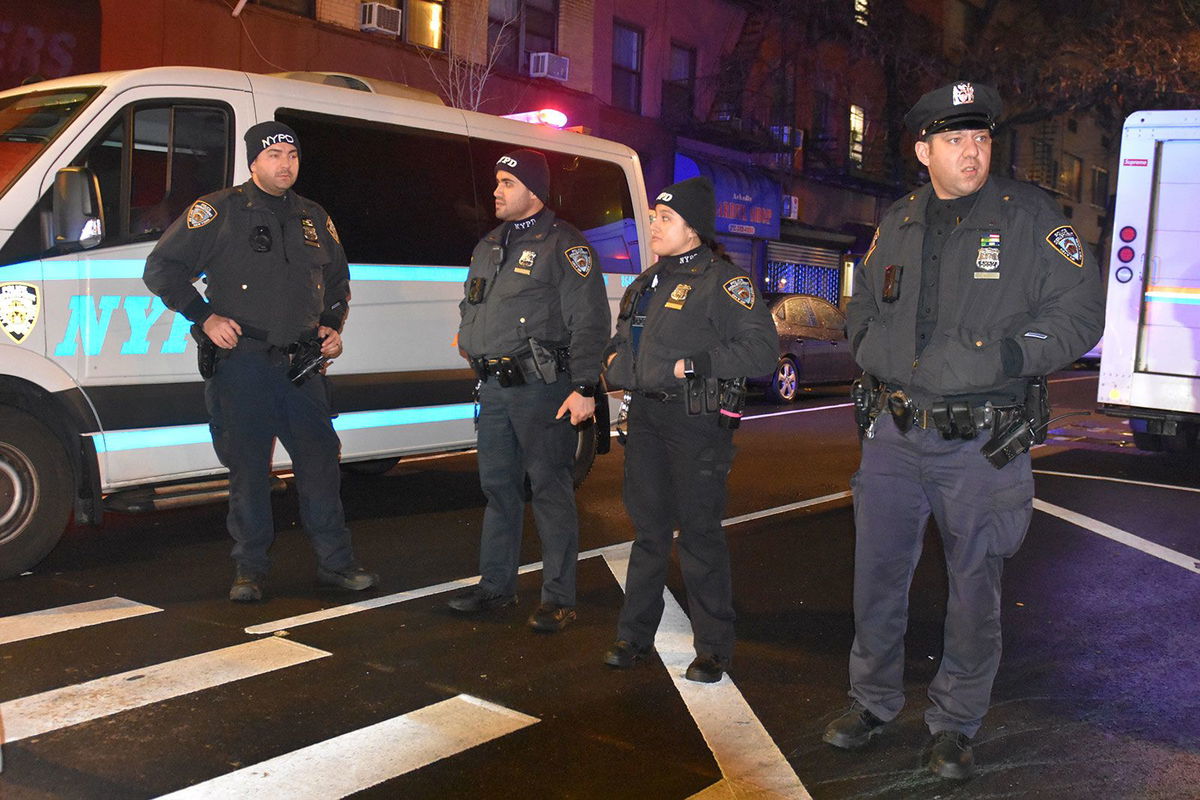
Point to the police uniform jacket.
(1020, 296)
(545, 284)
(300, 282)
(703, 308)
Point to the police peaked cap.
(530, 168)
(959, 106)
(266, 134)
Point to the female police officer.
(688, 327)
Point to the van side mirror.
(78, 214)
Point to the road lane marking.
(334, 612)
(750, 761)
(796, 411)
(368, 756)
(18, 627)
(71, 705)
(1117, 535)
(1116, 480)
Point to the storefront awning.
(748, 202)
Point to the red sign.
(48, 39)
(1135, 162)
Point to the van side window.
(591, 194)
(398, 195)
(153, 161)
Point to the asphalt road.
(171, 686)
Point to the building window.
(858, 128)
(1070, 177)
(627, 67)
(302, 8)
(679, 89)
(425, 23)
(862, 12)
(1099, 187)
(517, 28)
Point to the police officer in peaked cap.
(277, 284)
(534, 321)
(973, 290)
(690, 329)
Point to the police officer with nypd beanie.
(534, 322)
(974, 289)
(689, 328)
(277, 277)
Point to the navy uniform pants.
(519, 435)
(675, 471)
(982, 514)
(251, 402)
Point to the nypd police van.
(101, 406)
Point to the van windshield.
(29, 122)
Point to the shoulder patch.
(200, 214)
(580, 258)
(1066, 242)
(741, 290)
(871, 249)
(332, 230)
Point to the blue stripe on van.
(178, 435)
(131, 269)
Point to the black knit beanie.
(261, 136)
(530, 168)
(694, 200)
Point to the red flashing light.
(1125, 254)
(1128, 234)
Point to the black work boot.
(551, 618)
(854, 729)
(247, 586)
(475, 599)
(623, 655)
(705, 669)
(352, 577)
(950, 756)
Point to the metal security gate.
(795, 268)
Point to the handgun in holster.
(864, 393)
(732, 401)
(545, 359)
(1023, 432)
(306, 358)
(206, 352)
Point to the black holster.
(1016, 436)
(206, 352)
(702, 396)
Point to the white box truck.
(1150, 365)
(100, 402)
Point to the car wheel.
(35, 491)
(784, 381)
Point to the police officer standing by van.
(690, 329)
(974, 289)
(278, 289)
(534, 322)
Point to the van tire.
(35, 491)
(376, 466)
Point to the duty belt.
(954, 419)
(659, 395)
(506, 370)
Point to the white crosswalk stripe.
(46, 621)
(71, 705)
(363, 758)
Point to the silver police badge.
(1064, 240)
(963, 93)
(200, 214)
(741, 290)
(19, 305)
(526, 259)
(988, 258)
(580, 259)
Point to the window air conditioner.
(379, 18)
(549, 65)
